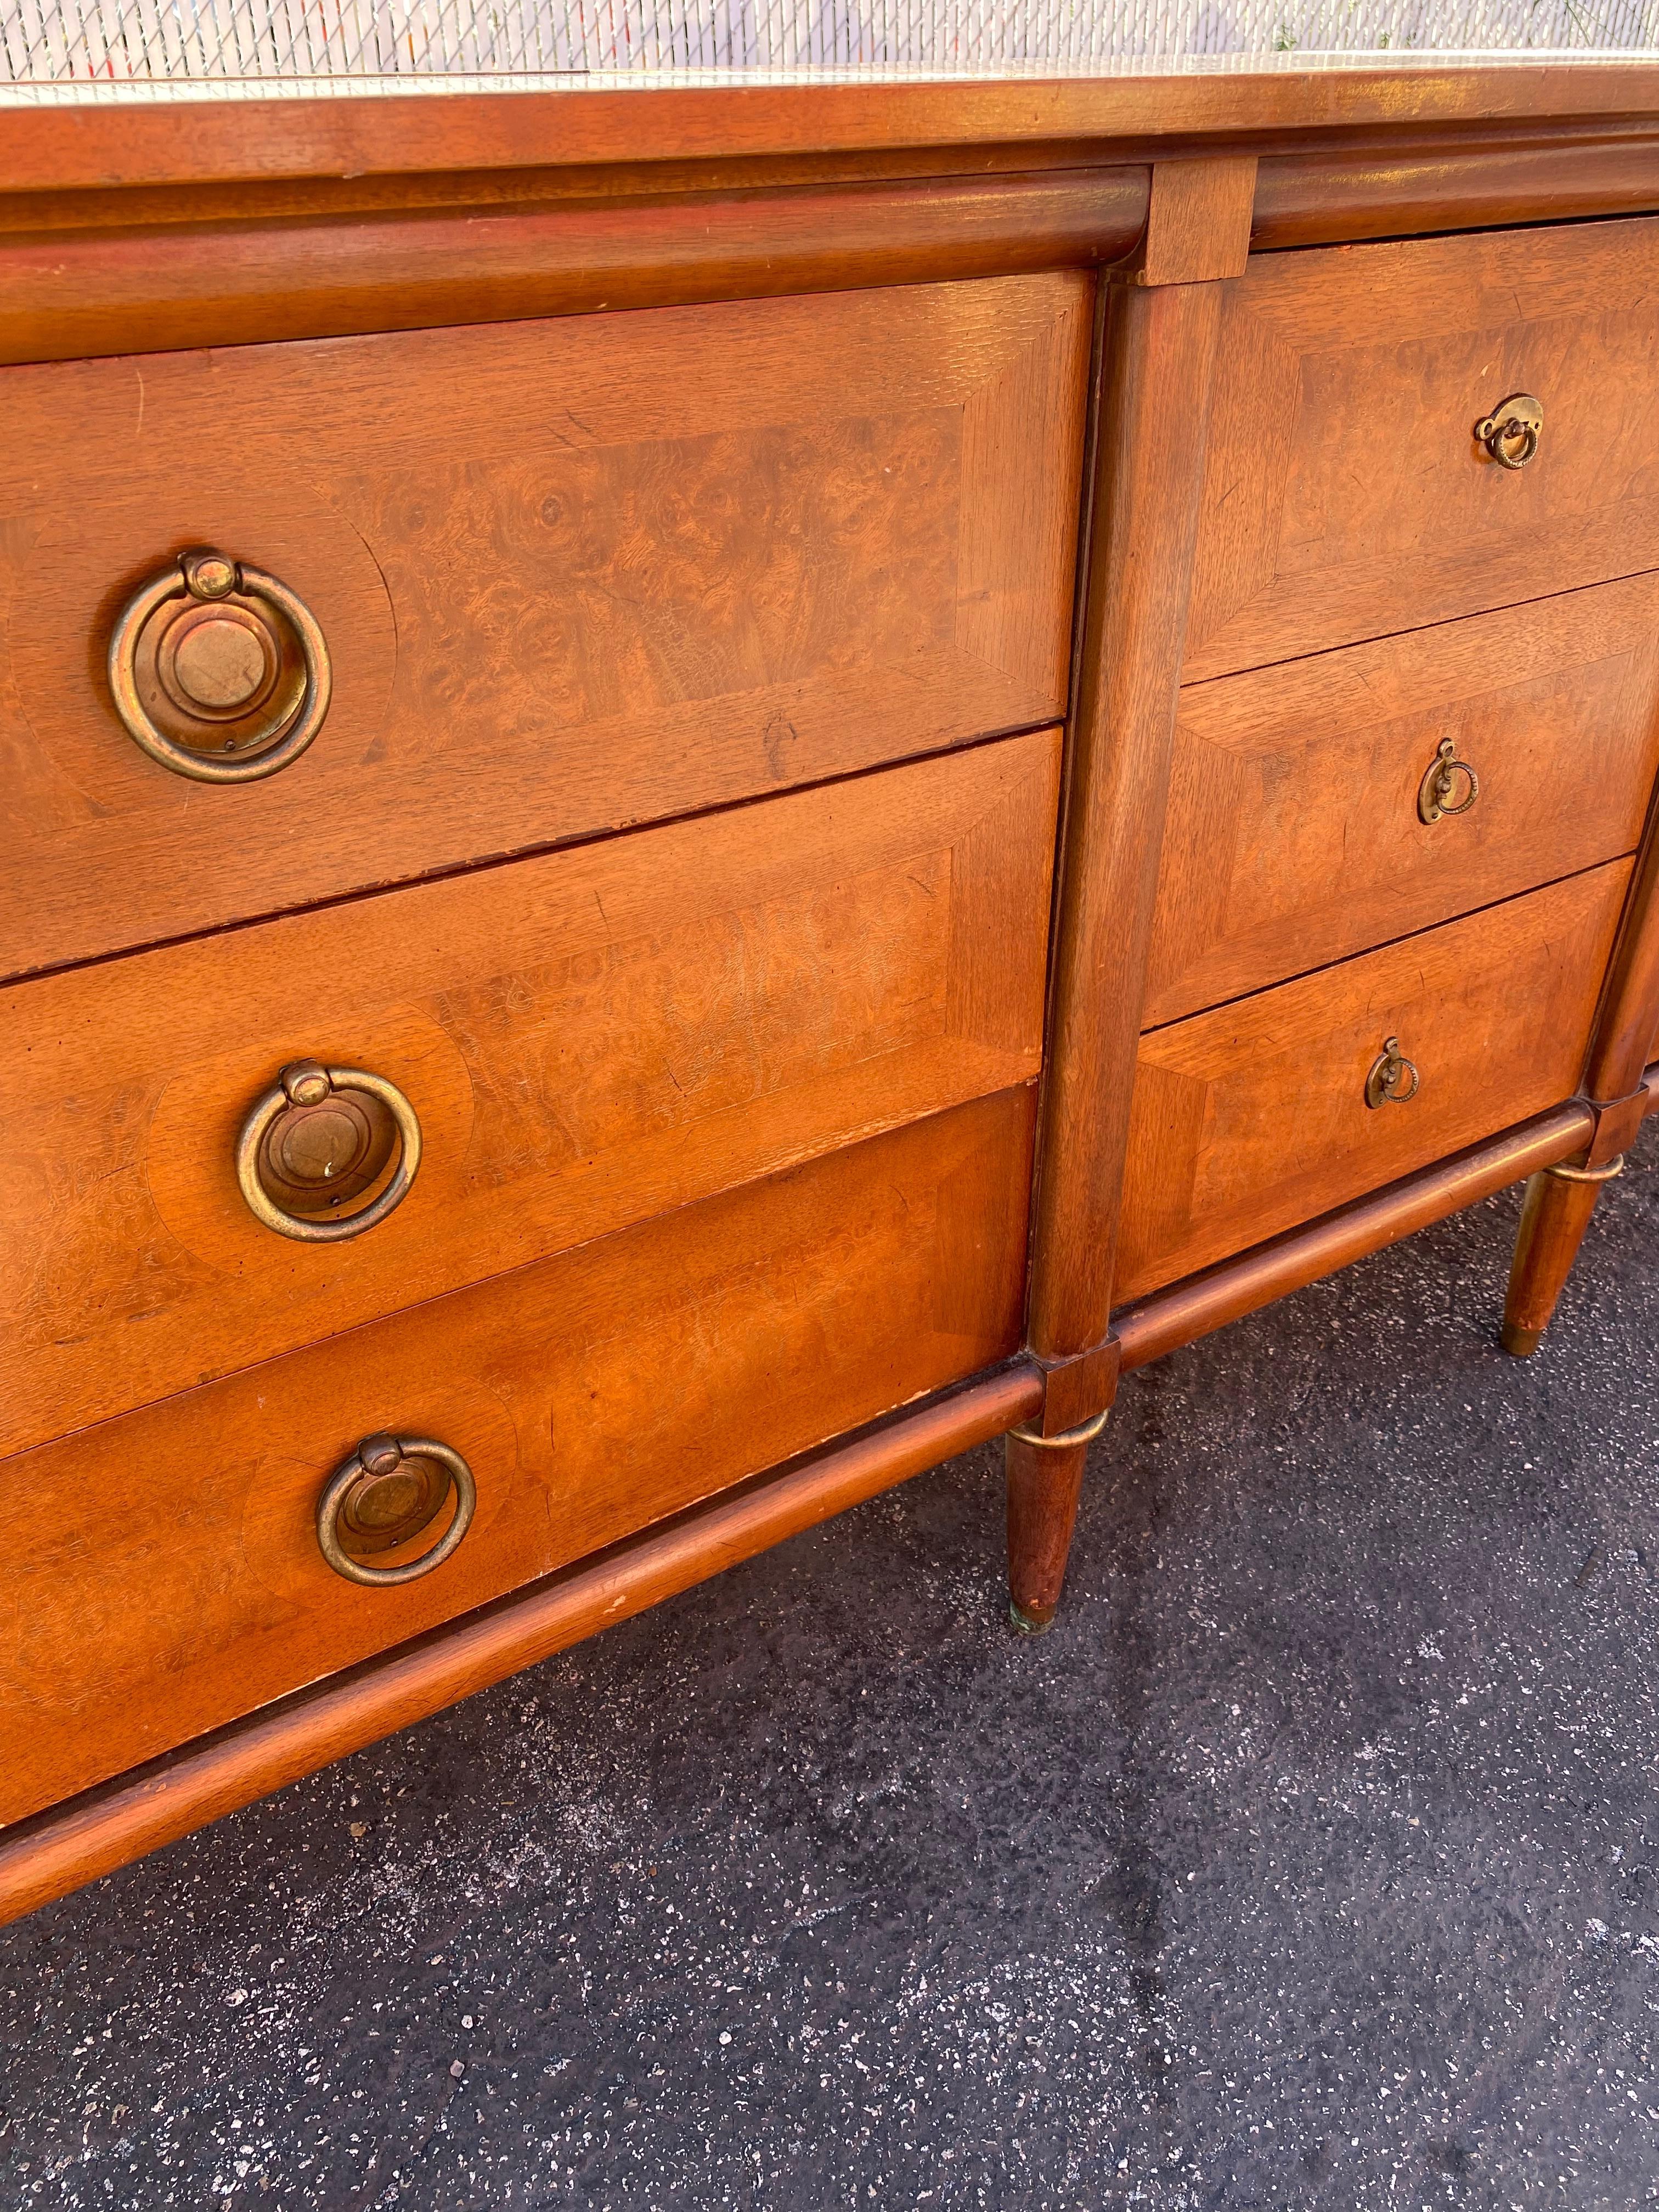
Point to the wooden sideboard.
(711, 792)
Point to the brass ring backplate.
(218, 671)
(1511, 433)
(383, 1496)
(1435, 799)
(1393, 1079)
(319, 1138)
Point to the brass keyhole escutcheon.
(320, 1139)
(1450, 786)
(1511, 433)
(1393, 1079)
(218, 671)
(383, 1496)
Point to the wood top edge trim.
(210, 140)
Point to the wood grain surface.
(588, 1038)
(73, 1843)
(88, 287)
(1293, 837)
(574, 575)
(1186, 1310)
(1253, 1118)
(1160, 350)
(1452, 183)
(220, 140)
(1346, 496)
(165, 1574)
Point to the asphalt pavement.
(1312, 1860)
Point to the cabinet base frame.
(54, 1852)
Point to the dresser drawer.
(569, 575)
(1254, 1118)
(1347, 496)
(586, 1039)
(163, 1574)
(1296, 830)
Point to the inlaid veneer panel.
(588, 1038)
(163, 1573)
(574, 574)
(1294, 837)
(1346, 496)
(1253, 1118)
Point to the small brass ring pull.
(389, 1490)
(1393, 1078)
(1434, 793)
(317, 1138)
(1509, 433)
(218, 671)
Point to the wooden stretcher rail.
(48, 1857)
(1170, 1318)
(60, 1851)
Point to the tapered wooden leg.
(1044, 1485)
(1553, 1218)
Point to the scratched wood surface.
(1293, 837)
(588, 1038)
(1346, 496)
(1251, 1119)
(574, 574)
(164, 1574)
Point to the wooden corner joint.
(1617, 1121)
(1198, 222)
(1077, 1396)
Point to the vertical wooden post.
(1560, 1202)
(1163, 321)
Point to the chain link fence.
(95, 42)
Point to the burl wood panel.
(163, 1574)
(1253, 1118)
(1293, 837)
(574, 575)
(589, 1038)
(1346, 496)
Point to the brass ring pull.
(1434, 793)
(1393, 1079)
(1511, 433)
(319, 1138)
(218, 671)
(389, 1490)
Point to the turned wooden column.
(1162, 317)
(1560, 1200)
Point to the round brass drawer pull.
(1393, 1078)
(218, 671)
(389, 1490)
(319, 1137)
(1511, 433)
(1440, 781)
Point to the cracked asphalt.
(1312, 1860)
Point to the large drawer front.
(588, 1039)
(1254, 1118)
(163, 1573)
(571, 575)
(1296, 832)
(1347, 493)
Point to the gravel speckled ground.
(1312, 1860)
